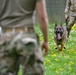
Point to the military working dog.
(60, 36)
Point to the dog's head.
(58, 30)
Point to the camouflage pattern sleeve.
(67, 7)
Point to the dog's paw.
(64, 47)
(56, 48)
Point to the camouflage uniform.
(20, 48)
(70, 11)
(23, 47)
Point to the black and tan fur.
(60, 36)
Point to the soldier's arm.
(67, 8)
(43, 20)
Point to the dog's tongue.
(59, 37)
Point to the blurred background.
(55, 9)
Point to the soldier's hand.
(45, 48)
(66, 16)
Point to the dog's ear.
(61, 24)
(55, 27)
(55, 24)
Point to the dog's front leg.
(62, 46)
(58, 47)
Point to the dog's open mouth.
(59, 36)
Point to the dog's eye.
(60, 29)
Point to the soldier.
(70, 13)
(19, 43)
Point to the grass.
(56, 63)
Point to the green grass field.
(57, 63)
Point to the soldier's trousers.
(20, 49)
(70, 23)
